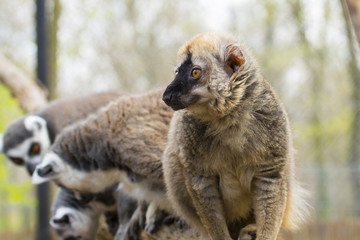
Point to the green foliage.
(9, 108)
(15, 189)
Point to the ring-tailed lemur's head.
(73, 219)
(26, 141)
(50, 168)
(54, 167)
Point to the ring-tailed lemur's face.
(72, 219)
(54, 168)
(72, 223)
(26, 141)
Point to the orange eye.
(176, 73)
(17, 161)
(35, 149)
(195, 73)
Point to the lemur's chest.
(222, 154)
(215, 152)
(235, 189)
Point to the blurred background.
(306, 49)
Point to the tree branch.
(354, 11)
(30, 95)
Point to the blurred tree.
(129, 45)
(314, 59)
(30, 96)
(271, 17)
(53, 18)
(146, 46)
(354, 9)
(270, 24)
(42, 190)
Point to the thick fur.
(230, 156)
(72, 218)
(78, 216)
(64, 112)
(130, 133)
(123, 142)
(42, 127)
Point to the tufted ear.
(62, 218)
(34, 123)
(233, 59)
(1, 142)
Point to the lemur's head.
(73, 177)
(73, 219)
(212, 75)
(26, 141)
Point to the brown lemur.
(229, 160)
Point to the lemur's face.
(71, 223)
(54, 167)
(26, 141)
(206, 75)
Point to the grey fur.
(64, 112)
(129, 134)
(230, 154)
(127, 137)
(57, 114)
(16, 133)
(116, 207)
(72, 218)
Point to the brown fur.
(230, 155)
(130, 132)
(63, 112)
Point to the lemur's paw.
(248, 232)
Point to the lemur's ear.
(1, 142)
(233, 59)
(47, 170)
(62, 217)
(34, 123)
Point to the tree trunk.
(353, 7)
(53, 47)
(315, 66)
(30, 95)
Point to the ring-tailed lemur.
(27, 139)
(123, 142)
(71, 218)
(78, 216)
